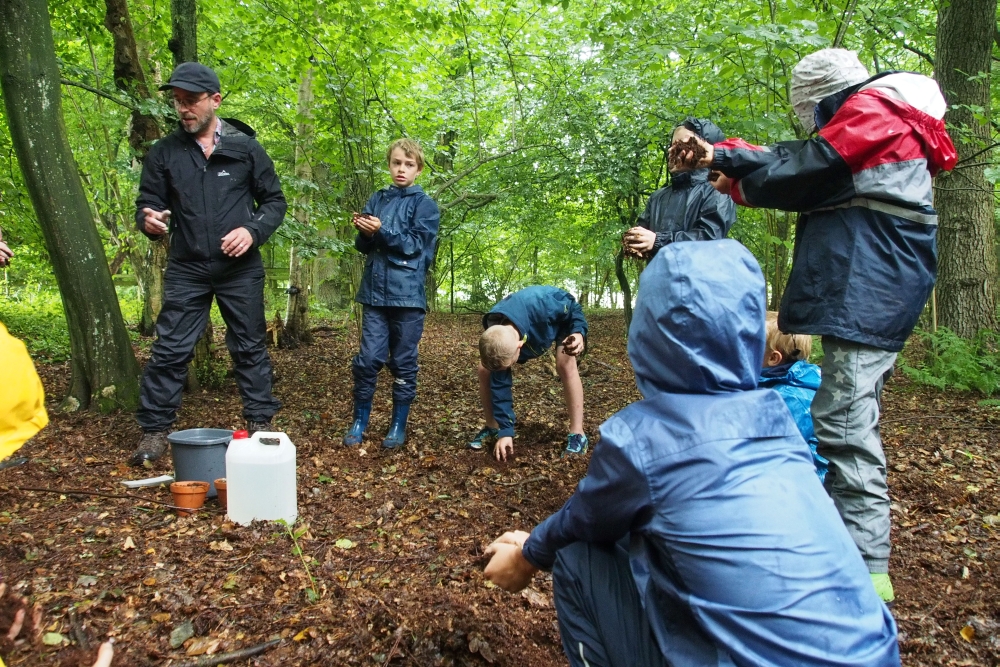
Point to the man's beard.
(200, 125)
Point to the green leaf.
(344, 543)
(52, 639)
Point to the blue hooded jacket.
(797, 383)
(737, 552)
(543, 315)
(400, 252)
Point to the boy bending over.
(523, 326)
(700, 535)
(787, 372)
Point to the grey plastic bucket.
(199, 455)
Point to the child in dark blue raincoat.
(524, 325)
(397, 231)
(787, 372)
(735, 553)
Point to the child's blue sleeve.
(502, 398)
(578, 320)
(613, 499)
(419, 233)
(363, 243)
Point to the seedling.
(295, 534)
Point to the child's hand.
(366, 224)
(572, 344)
(503, 448)
(508, 568)
(720, 182)
(639, 240)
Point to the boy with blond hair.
(521, 327)
(396, 231)
(788, 371)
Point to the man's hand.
(5, 254)
(639, 240)
(508, 568)
(572, 344)
(237, 242)
(682, 158)
(366, 224)
(503, 448)
(155, 222)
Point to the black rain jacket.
(235, 187)
(689, 209)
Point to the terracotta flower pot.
(220, 488)
(189, 495)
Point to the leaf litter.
(389, 568)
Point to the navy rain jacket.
(737, 552)
(401, 251)
(543, 315)
(865, 256)
(235, 187)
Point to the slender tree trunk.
(104, 372)
(626, 287)
(967, 268)
(148, 258)
(184, 31)
(296, 329)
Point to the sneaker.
(485, 434)
(253, 427)
(152, 446)
(883, 586)
(576, 443)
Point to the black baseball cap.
(194, 77)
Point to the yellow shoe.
(883, 586)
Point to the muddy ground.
(390, 565)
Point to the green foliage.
(35, 315)
(296, 534)
(946, 361)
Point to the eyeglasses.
(188, 103)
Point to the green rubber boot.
(883, 586)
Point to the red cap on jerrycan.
(241, 435)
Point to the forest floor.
(394, 543)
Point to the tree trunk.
(967, 267)
(104, 372)
(149, 259)
(626, 287)
(296, 329)
(184, 31)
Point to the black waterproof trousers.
(187, 300)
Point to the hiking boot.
(396, 436)
(152, 446)
(253, 427)
(354, 435)
(576, 443)
(485, 434)
(883, 586)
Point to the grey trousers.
(845, 415)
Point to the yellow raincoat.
(22, 399)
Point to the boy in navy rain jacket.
(865, 254)
(397, 231)
(787, 372)
(521, 327)
(735, 554)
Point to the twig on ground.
(232, 656)
(399, 637)
(536, 478)
(81, 492)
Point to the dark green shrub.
(946, 361)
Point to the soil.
(696, 152)
(390, 571)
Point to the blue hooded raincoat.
(737, 552)
(797, 383)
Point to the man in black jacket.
(214, 189)
(689, 209)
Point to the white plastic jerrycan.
(260, 473)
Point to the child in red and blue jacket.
(865, 255)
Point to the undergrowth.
(946, 361)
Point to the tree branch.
(97, 91)
(479, 163)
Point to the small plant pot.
(220, 489)
(188, 495)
